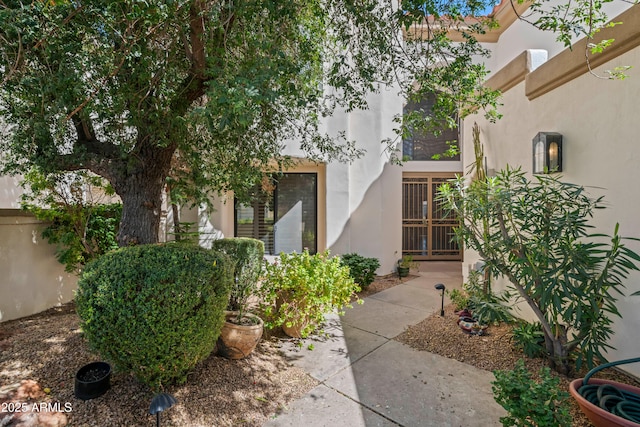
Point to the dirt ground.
(40, 355)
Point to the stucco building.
(382, 210)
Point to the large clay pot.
(237, 341)
(295, 330)
(598, 416)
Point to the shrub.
(81, 225)
(487, 307)
(528, 402)
(361, 269)
(459, 299)
(300, 288)
(536, 233)
(247, 258)
(529, 338)
(154, 310)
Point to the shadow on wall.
(32, 280)
(374, 227)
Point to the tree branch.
(197, 31)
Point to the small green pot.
(403, 271)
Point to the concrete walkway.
(367, 379)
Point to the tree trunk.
(558, 354)
(140, 189)
(141, 209)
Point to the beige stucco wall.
(32, 279)
(599, 122)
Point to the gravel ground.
(492, 351)
(40, 355)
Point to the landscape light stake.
(441, 287)
(159, 403)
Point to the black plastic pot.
(92, 380)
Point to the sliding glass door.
(286, 219)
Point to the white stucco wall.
(32, 279)
(599, 123)
(521, 35)
(364, 198)
(10, 192)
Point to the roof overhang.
(503, 14)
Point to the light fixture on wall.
(547, 152)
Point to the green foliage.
(80, 225)
(458, 298)
(531, 403)
(536, 234)
(155, 310)
(361, 269)
(407, 262)
(529, 338)
(186, 232)
(301, 288)
(487, 307)
(247, 257)
(143, 95)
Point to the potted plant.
(299, 289)
(404, 265)
(242, 329)
(606, 403)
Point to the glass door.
(286, 219)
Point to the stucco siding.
(32, 279)
(601, 133)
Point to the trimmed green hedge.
(247, 256)
(155, 310)
(361, 269)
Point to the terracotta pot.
(295, 331)
(598, 416)
(238, 341)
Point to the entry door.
(427, 232)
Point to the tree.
(128, 89)
(536, 235)
(208, 92)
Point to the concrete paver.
(367, 379)
(330, 353)
(323, 407)
(416, 388)
(382, 318)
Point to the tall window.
(285, 219)
(424, 145)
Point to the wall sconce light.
(547, 152)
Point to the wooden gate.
(427, 232)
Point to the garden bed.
(42, 353)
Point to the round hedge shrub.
(155, 310)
